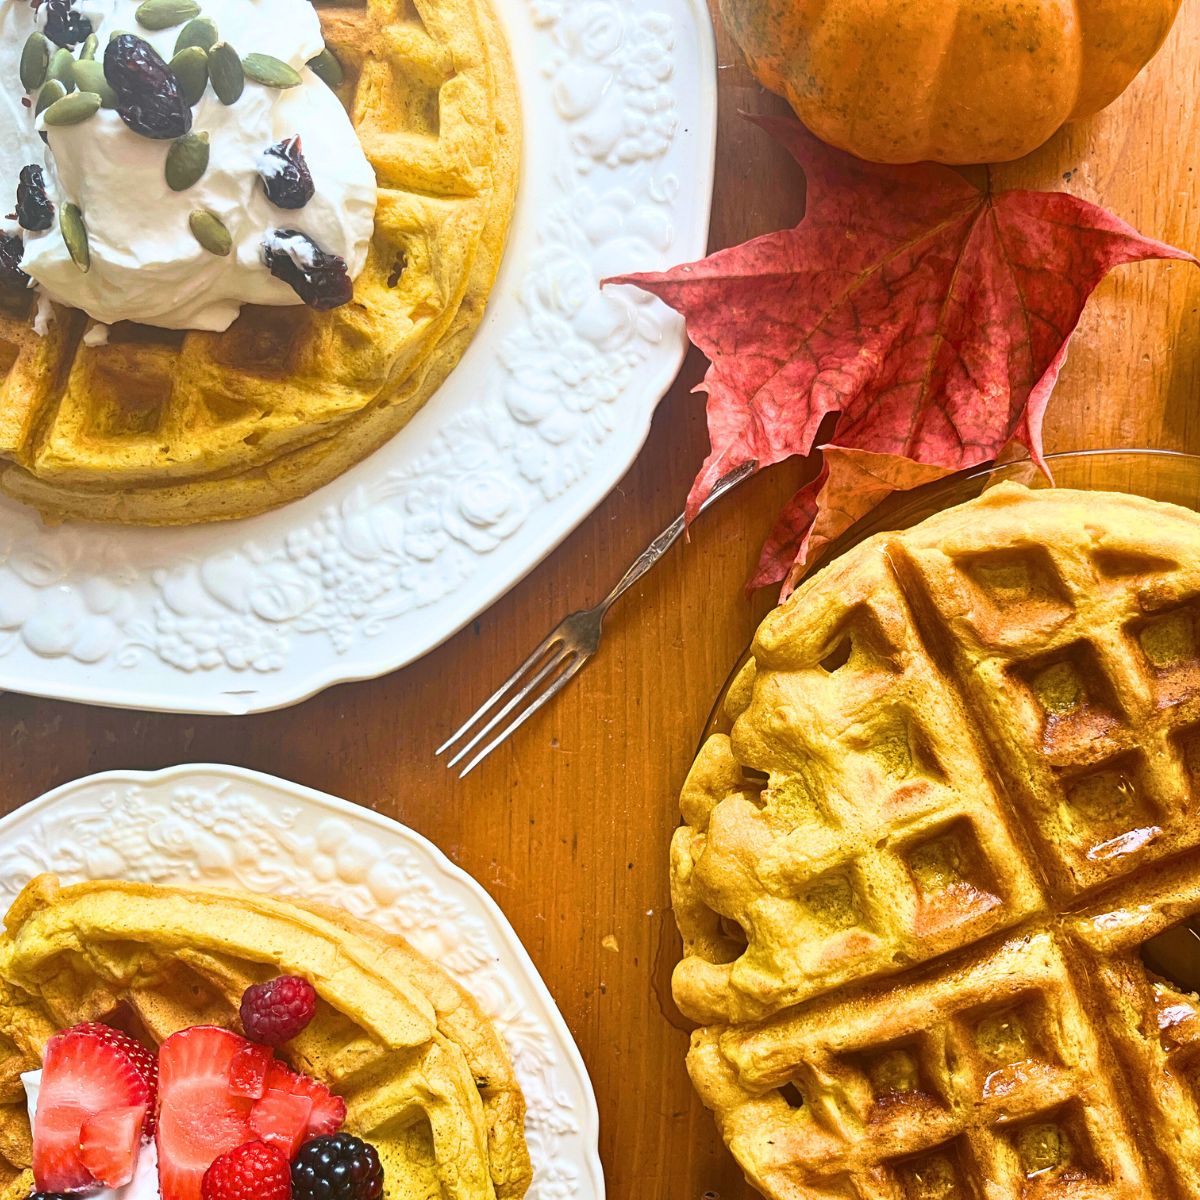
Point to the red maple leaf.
(930, 317)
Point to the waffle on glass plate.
(934, 887)
(424, 1074)
(163, 428)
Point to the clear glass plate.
(1156, 474)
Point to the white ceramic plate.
(227, 827)
(547, 411)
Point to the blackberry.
(285, 175)
(149, 99)
(12, 250)
(321, 280)
(337, 1167)
(65, 26)
(34, 210)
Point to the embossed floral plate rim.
(170, 827)
(546, 413)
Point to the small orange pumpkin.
(956, 81)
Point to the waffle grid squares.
(1026, 1056)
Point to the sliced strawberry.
(86, 1071)
(198, 1118)
(281, 1119)
(110, 1142)
(248, 1072)
(328, 1110)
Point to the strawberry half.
(87, 1070)
(281, 1119)
(328, 1111)
(248, 1072)
(198, 1118)
(110, 1142)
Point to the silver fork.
(563, 653)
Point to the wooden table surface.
(568, 827)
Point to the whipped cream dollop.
(146, 264)
(143, 1185)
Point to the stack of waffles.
(935, 886)
(158, 427)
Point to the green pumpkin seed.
(35, 61)
(201, 32)
(187, 160)
(62, 68)
(327, 68)
(191, 69)
(163, 14)
(89, 77)
(225, 72)
(74, 235)
(270, 72)
(208, 230)
(90, 45)
(52, 91)
(73, 109)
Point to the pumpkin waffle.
(160, 427)
(424, 1074)
(917, 880)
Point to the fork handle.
(669, 536)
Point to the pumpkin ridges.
(957, 81)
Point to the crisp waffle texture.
(165, 428)
(424, 1074)
(915, 881)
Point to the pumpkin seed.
(270, 72)
(74, 235)
(62, 68)
(191, 69)
(209, 231)
(35, 61)
(89, 77)
(225, 72)
(187, 160)
(327, 68)
(90, 45)
(201, 32)
(52, 90)
(163, 14)
(73, 109)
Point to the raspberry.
(276, 1011)
(254, 1171)
(337, 1167)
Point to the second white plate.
(227, 827)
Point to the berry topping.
(285, 175)
(149, 99)
(338, 1167)
(248, 1071)
(12, 250)
(253, 1171)
(87, 1071)
(319, 279)
(34, 210)
(328, 1110)
(65, 26)
(281, 1119)
(51, 1196)
(276, 1011)
(110, 1142)
(198, 1118)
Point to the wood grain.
(568, 827)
